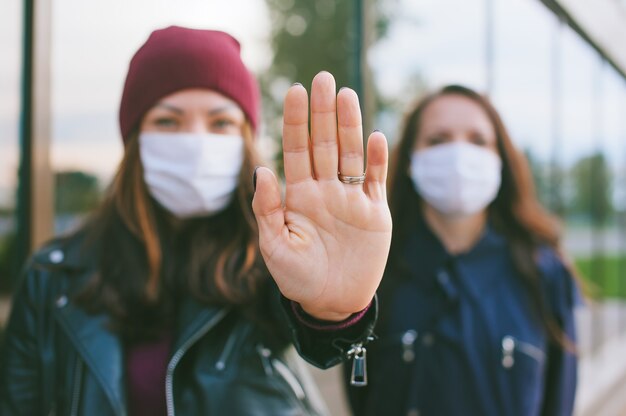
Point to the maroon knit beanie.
(177, 58)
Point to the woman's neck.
(457, 234)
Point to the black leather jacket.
(57, 359)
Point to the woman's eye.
(166, 122)
(435, 140)
(479, 140)
(222, 123)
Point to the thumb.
(267, 206)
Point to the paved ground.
(332, 391)
(578, 241)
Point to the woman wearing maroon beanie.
(187, 290)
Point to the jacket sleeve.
(22, 387)
(325, 345)
(561, 374)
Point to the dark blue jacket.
(460, 336)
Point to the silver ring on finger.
(352, 180)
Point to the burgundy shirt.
(146, 366)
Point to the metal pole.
(34, 197)
(556, 186)
(598, 268)
(489, 48)
(24, 205)
(358, 47)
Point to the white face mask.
(191, 174)
(456, 179)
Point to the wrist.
(325, 325)
(327, 316)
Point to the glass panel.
(611, 254)
(612, 143)
(523, 50)
(11, 52)
(620, 199)
(582, 164)
(89, 62)
(426, 47)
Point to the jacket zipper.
(78, 379)
(510, 344)
(171, 366)
(358, 354)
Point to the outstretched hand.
(327, 246)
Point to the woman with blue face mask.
(477, 301)
(188, 289)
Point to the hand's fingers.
(324, 126)
(376, 171)
(350, 133)
(296, 135)
(267, 205)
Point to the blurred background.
(555, 69)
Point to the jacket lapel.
(100, 349)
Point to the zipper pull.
(408, 341)
(358, 376)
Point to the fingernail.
(342, 88)
(254, 178)
(296, 83)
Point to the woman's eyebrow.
(170, 108)
(437, 132)
(211, 112)
(222, 109)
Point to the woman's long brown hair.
(148, 259)
(515, 212)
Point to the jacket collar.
(487, 264)
(427, 257)
(193, 318)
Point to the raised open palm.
(327, 246)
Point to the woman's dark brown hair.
(148, 259)
(515, 212)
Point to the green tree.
(307, 37)
(548, 178)
(592, 188)
(75, 192)
(311, 36)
